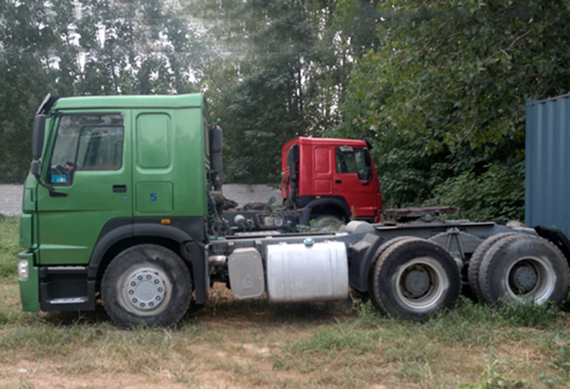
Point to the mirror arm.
(35, 170)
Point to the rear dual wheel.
(413, 278)
(522, 268)
(477, 259)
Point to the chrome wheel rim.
(145, 291)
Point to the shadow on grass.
(237, 312)
(261, 311)
(98, 316)
(254, 312)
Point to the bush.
(496, 194)
(9, 246)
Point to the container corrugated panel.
(547, 197)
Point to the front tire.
(414, 278)
(523, 268)
(146, 285)
(328, 223)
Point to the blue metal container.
(547, 197)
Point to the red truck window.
(351, 160)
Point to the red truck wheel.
(327, 223)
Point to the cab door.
(89, 164)
(354, 180)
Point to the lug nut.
(135, 301)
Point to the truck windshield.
(352, 161)
(86, 142)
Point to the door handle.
(119, 188)
(338, 182)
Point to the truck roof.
(126, 101)
(325, 141)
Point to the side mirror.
(35, 168)
(38, 136)
(367, 159)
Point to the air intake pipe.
(216, 155)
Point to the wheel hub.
(417, 282)
(146, 290)
(524, 278)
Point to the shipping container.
(548, 163)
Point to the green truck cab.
(119, 209)
(113, 172)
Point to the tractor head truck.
(119, 210)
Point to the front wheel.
(146, 285)
(328, 223)
(414, 278)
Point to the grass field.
(239, 344)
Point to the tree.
(25, 40)
(282, 67)
(86, 47)
(442, 97)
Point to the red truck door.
(356, 180)
(322, 170)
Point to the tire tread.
(397, 249)
(124, 261)
(474, 266)
(499, 250)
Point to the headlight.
(23, 269)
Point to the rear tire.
(477, 258)
(381, 250)
(414, 278)
(146, 285)
(522, 268)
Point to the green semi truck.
(119, 210)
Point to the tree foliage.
(283, 74)
(443, 94)
(437, 86)
(85, 47)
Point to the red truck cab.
(330, 177)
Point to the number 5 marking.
(153, 197)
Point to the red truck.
(329, 181)
(330, 178)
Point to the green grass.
(253, 343)
(9, 246)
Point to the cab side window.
(86, 142)
(352, 160)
